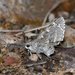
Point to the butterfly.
(48, 38)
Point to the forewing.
(54, 33)
(60, 21)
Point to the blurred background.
(18, 16)
(34, 11)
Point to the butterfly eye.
(28, 45)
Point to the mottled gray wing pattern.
(38, 47)
(54, 33)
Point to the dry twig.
(47, 24)
(48, 13)
(28, 65)
(11, 31)
(38, 28)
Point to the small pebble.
(34, 57)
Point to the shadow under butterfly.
(50, 37)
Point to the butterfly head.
(28, 46)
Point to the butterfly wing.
(48, 50)
(54, 33)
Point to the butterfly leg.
(39, 56)
(29, 52)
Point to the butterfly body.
(50, 37)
